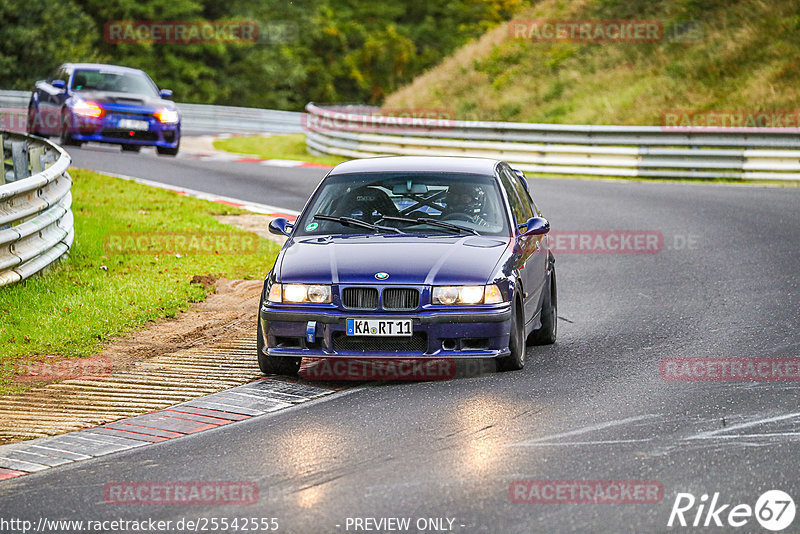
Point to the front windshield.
(468, 201)
(128, 82)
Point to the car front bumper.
(458, 333)
(107, 130)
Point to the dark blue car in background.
(83, 102)
(411, 257)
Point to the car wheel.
(131, 148)
(546, 335)
(65, 138)
(516, 343)
(166, 151)
(275, 365)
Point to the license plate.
(130, 124)
(379, 327)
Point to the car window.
(59, 74)
(517, 205)
(536, 211)
(470, 201)
(126, 82)
(525, 203)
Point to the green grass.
(742, 57)
(275, 147)
(97, 294)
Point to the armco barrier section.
(36, 223)
(627, 151)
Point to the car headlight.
(300, 293)
(488, 294)
(166, 115)
(84, 108)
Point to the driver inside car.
(461, 202)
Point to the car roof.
(99, 66)
(455, 164)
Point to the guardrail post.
(2, 161)
(19, 156)
(35, 155)
(3, 172)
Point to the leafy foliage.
(325, 50)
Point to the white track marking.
(715, 433)
(244, 204)
(584, 430)
(581, 443)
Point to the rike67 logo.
(774, 510)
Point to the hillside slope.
(715, 55)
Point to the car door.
(529, 262)
(537, 263)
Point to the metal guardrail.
(14, 99)
(195, 118)
(631, 151)
(199, 118)
(36, 223)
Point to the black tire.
(275, 365)
(65, 138)
(546, 335)
(131, 148)
(166, 151)
(516, 343)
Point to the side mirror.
(166, 94)
(536, 226)
(281, 226)
(59, 84)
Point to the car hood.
(125, 99)
(411, 260)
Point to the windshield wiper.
(349, 221)
(432, 222)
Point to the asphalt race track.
(276, 186)
(592, 407)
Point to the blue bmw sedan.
(411, 257)
(83, 102)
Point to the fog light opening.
(449, 344)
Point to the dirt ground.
(229, 313)
(252, 222)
